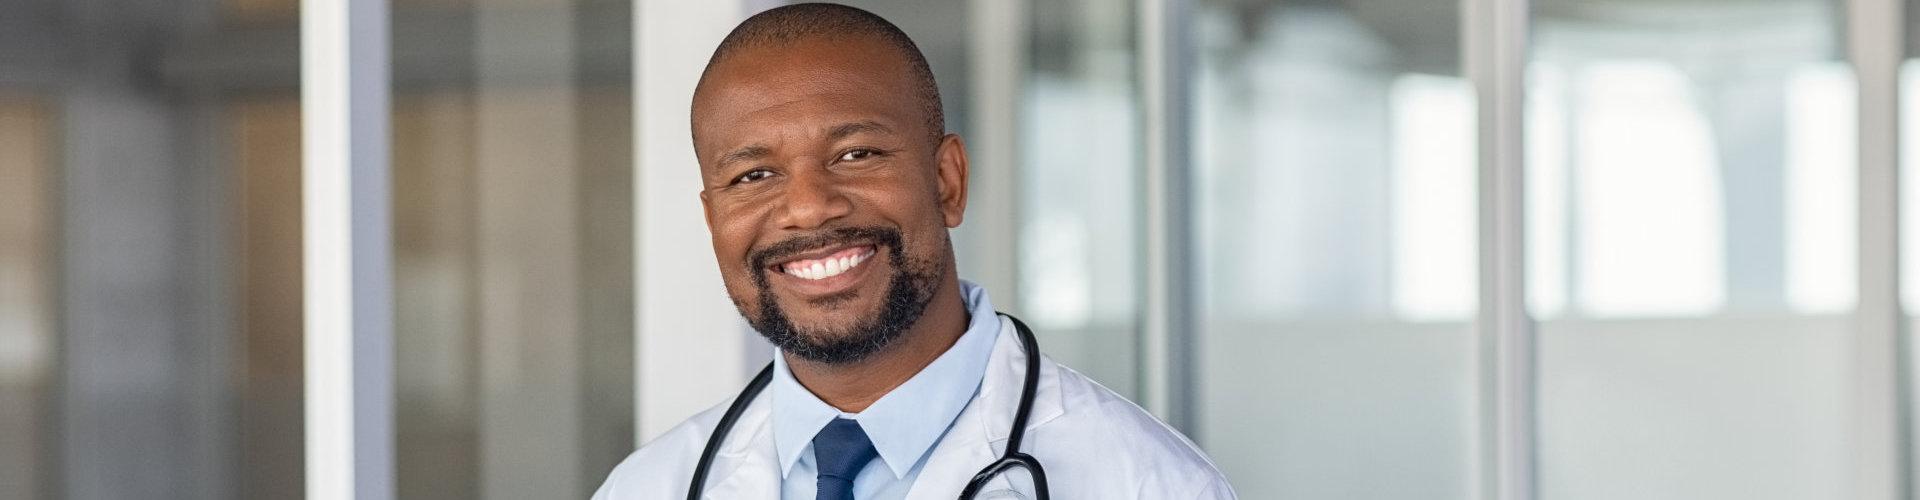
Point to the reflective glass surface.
(1692, 242)
(1079, 173)
(26, 296)
(513, 246)
(150, 250)
(1335, 209)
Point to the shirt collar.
(906, 422)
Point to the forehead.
(759, 93)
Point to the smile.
(829, 266)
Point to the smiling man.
(830, 187)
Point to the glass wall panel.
(1335, 207)
(1692, 242)
(1079, 173)
(150, 325)
(267, 184)
(512, 158)
(26, 297)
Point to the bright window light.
(1546, 191)
(1649, 209)
(1822, 230)
(1910, 180)
(1434, 209)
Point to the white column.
(1880, 463)
(996, 52)
(348, 249)
(689, 340)
(1167, 320)
(1495, 43)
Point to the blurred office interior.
(1266, 220)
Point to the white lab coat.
(1093, 444)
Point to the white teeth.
(827, 268)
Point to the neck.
(852, 387)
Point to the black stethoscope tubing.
(1007, 462)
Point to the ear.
(951, 164)
(706, 210)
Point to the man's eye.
(858, 154)
(754, 175)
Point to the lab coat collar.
(980, 433)
(745, 466)
(1001, 387)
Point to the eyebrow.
(744, 154)
(834, 133)
(844, 130)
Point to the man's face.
(827, 197)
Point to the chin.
(832, 322)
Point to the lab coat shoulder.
(1100, 445)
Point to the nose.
(812, 199)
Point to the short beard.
(908, 293)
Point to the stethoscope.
(1013, 457)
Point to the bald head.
(790, 25)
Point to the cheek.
(735, 226)
(732, 257)
(730, 247)
(921, 222)
(737, 277)
(908, 199)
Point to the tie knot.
(842, 449)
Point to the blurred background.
(1691, 199)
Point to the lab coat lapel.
(747, 465)
(979, 434)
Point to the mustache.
(879, 236)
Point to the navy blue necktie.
(840, 450)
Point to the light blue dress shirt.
(904, 425)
